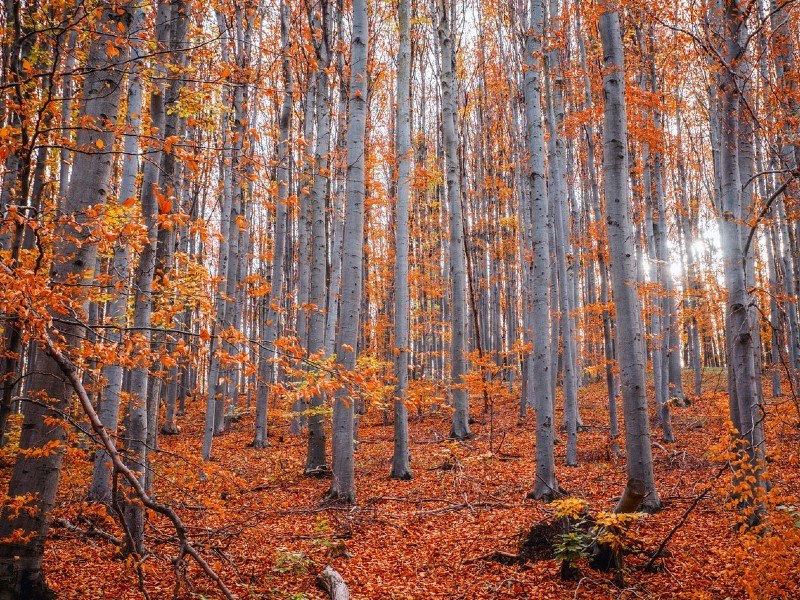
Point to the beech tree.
(241, 222)
(744, 401)
(400, 459)
(458, 276)
(546, 485)
(270, 312)
(343, 485)
(37, 468)
(630, 342)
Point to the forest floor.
(260, 523)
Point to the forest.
(402, 299)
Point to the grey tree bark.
(546, 485)
(271, 310)
(630, 342)
(745, 408)
(600, 250)
(109, 405)
(458, 274)
(318, 291)
(136, 427)
(215, 399)
(559, 209)
(337, 215)
(21, 562)
(343, 484)
(400, 459)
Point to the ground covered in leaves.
(260, 523)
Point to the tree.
(630, 342)
(458, 275)
(110, 398)
(36, 471)
(546, 485)
(270, 310)
(343, 485)
(400, 466)
(318, 291)
(745, 407)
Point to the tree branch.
(69, 370)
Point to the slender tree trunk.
(318, 291)
(458, 275)
(108, 410)
(136, 425)
(559, 209)
(270, 311)
(343, 485)
(744, 405)
(600, 250)
(400, 459)
(215, 399)
(630, 343)
(546, 485)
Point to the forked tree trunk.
(744, 405)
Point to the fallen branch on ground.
(505, 558)
(92, 531)
(333, 583)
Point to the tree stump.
(603, 557)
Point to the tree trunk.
(270, 311)
(318, 292)
(400, 459)
(108, 410)
(630, 343)
(546, 485)
(343, 485)
(458, 274)
(21, 561)
(744, 405)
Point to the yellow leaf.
(100, 144)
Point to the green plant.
(571, 546)
(605, 533)
(322, 533)
(289, 561)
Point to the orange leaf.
(164, 205)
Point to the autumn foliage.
(256, 255)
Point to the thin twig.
(683, 518)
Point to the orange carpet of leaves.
(260, 523)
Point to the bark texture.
(630, 341)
